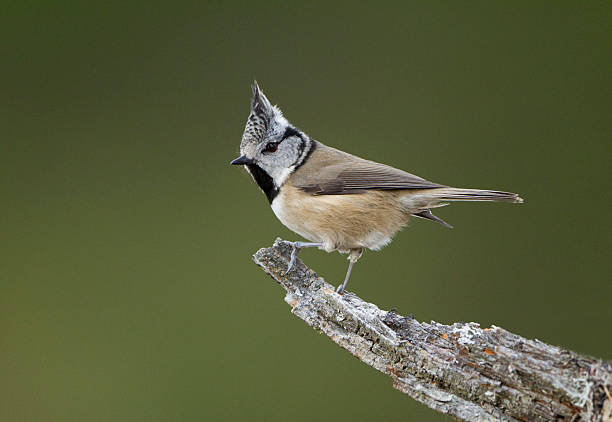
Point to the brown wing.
(346, 174)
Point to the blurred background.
(128, 291)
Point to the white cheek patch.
(281, 178)
(279, 175)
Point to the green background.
(127, 287)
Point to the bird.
(335, 200)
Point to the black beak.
(241, 160)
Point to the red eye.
(271, 147)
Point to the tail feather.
(428, 215)
(458, 194)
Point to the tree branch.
(469, 372)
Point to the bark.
(463, 370)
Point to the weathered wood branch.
(469, 372)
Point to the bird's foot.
(294, 253)
(297, 246)
(355, 254)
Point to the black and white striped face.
(271, 148)
(280, 155)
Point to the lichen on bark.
(464, 370)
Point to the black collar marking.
(264, 181)
(313, 146)
(290, 131)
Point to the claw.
(293, 258)
(352, 259)
(297, 246)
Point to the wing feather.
(348, 174)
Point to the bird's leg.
(354, 255)
(341, 287)
(297, 246)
